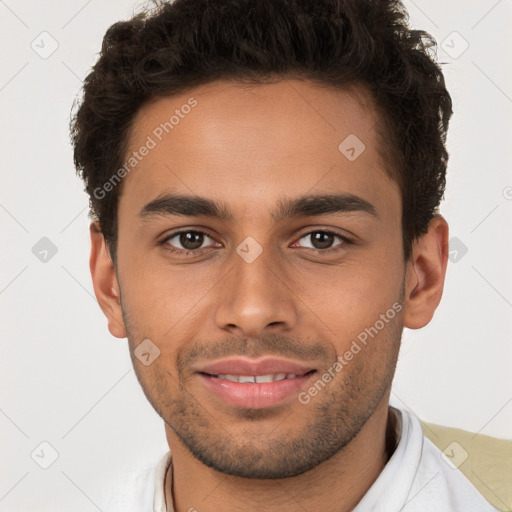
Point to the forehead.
(248, 143)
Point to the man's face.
(267, 290)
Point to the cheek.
(165, 300)
(362, 286)
(165, 308)
(155, 294)
(358, 298)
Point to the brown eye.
(187, 240)
(191, 240)
(323, 240)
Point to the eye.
(190, 242)
(322, 240)
(186, 241)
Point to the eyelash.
(184, 252)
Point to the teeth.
(246, 378)
(264, 378)
(271, 377)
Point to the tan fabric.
(485, 461)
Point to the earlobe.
(425, 275)
(106, 287)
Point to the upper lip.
(255, 367)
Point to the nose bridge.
(254, 294)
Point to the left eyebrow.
(304, 206)
(322, 205)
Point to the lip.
(245, 366)
(254, 395)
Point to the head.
(264, 180)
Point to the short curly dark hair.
(339, 43)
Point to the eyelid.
(174, 234)
(346, 240)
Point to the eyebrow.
(304, 206)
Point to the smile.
(255, 384)
(256, 379)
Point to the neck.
(337, 484)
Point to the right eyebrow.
(192, 206)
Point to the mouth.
(256, 379)
(255, 384)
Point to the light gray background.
(66, 381)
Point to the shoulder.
(139, 489)
(485, 461)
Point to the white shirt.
(416, 479)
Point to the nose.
(256, 299)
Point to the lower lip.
(255, 395)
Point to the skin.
(250, 147)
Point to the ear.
(106, 287)
(425, 274)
